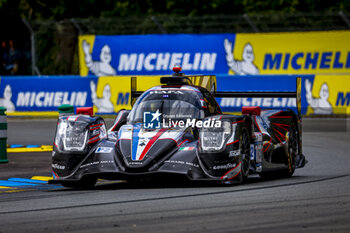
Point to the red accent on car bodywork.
(186, 140)
(282, 136)
(94, 139)
(251, 110)
(269, 144)
(278, 138)
(85, 111)
(273, 115)
(222, 177)
(151, 142)
(281, 126)
(232, 142)
(54, 173)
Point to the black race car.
(178, 129)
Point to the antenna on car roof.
(177, 69)
(177, 78)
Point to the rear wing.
(206, 81)
(235, 86)
(134, 93)
(244, 88)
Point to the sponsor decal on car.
(182, 162)
(167, 92)
(96, 163)
(234, 153)
(224, 166)
(104, 150)
(57, 166)
(187, 148)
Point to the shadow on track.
(176, 183)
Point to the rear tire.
(292, 151)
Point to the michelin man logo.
(320, 105)
(6, 101)
(151, 120)
(99, 68)
(245, 66)
(103, 104)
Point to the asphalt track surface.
(315, 199)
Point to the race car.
(175, 130)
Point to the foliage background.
(57, 23)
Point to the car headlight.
(74, 136)
(213, 139)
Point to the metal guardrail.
(53, 39)
(217, 23)
(201, 24)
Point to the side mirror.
(120, 120)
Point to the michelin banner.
(29, 94)
(321, 94)
(46, 93)
(151, 54)
(293, 53)
(326, 95)
(234, 54)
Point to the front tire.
(244, 158)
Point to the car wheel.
(291, 153)
(293, 144)
(244, 158)
(240, 172)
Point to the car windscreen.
(177, 105)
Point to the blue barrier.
(46, 93)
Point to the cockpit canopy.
(175, 104)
